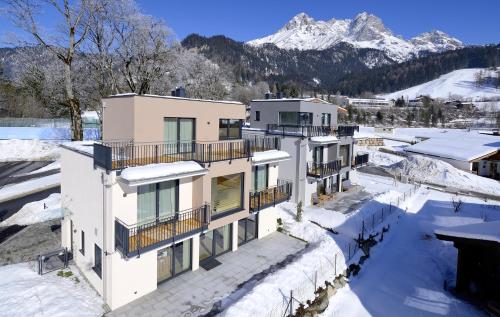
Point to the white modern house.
(321, 150)
(173, 185)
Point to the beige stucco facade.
(94, 199)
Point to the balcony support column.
(339, 182)
(195, 259)
(234, 237)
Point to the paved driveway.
(207, 292)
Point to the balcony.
(122, 154)
(135, 239)
(270, 196)
(311, 131)
(300, 131)
(322, 170)
(360, 160)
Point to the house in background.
(173, 185)
(321, 150)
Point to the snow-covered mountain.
(364, 31)
(459, 83)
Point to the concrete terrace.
(199, 292)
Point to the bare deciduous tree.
(72, 32)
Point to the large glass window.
(227, 193)
(173, 260)
(326, 119)
(178, 134)
(158, 200)
(230, 129)
(260, 175)
(247, 229)
(344, 154)
(295, 118)
(222, 239)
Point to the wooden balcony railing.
(360, 160)
(270, 196)
(322, 170)
(132, 240)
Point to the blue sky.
(474, 22)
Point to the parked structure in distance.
(173, 185)
(321, 150)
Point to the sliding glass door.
(260, 178)
(173, 260)
(247, 229)
(178, 134)
(215, 242)
(157, 201)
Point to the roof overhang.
(269, 157)
(155, 173)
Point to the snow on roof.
(175, 97)
(154, 173)
(267, 157)
(487, 231)
(90, 115)
(324, 139)
(461, 149)
(83, 147)
(317, 100)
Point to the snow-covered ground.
(405, 274)
(25, 293)
(28, 150)
(44, 133)
(37, 211)
(13, 191)
(459, 82)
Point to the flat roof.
(316, 100)
(484, 231)
(172, 97)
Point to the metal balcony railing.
(134, 239)
(360, 160)
(122, 154)
(322, 170)
(271, 196)
(311, 131)
(347, 130)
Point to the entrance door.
(173, 260)
(215, 243)
(164, 264)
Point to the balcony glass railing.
(321, 170)
(311, 131)
(270, 196)
(134, 239)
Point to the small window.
(326, 119)
(97, 261)
(230, 129)
(257, 115)
(82, 250)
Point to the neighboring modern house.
(321, 150)
(173, 185)
(478, 263)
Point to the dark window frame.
(328, 116)
(257, 115)
(175, 247)
(157, 198)
(254, 170)
(303, 118)
(82, 243)
(97, 268)
(219, 215)
(214, 242)
(227, 127)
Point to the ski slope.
(458, 82)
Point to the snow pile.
(489, 231)
(51, 167)
(161, 170)
(25, 293)
(324, 139)
(35, 212)
(378, 158)
(28, 150)
(13, 191)
(85, 147)
(428, 170)
(459, 82)
(270, 156)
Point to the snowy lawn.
(14, 191)
(25, 293)
(326, 253)
(405, 274)
(35, 212)
(28, 150)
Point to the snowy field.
(28, 150)
(459, 82)
(25, 293)
(405, 274)
(31, 186)
(37, 211)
